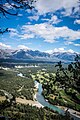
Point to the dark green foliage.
(10, 82)
(22, 112)
(65, 86)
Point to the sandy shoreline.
(30, 102)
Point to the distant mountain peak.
(27, 54)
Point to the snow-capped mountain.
(5, 53)
(28, 54)
(64, 55)
(36, 55)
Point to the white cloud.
(78, 45)
(53, 20)
(13, 32)
(68, 43)
(7, 6)
(70, 50)
(22, 35)
(72, 43)
(22, 47)
(50, 40)
(61, 50)
(45, 19)
(49, 51)
(4, 46)
(20, 15)
(35, 17)
(77, 21)
(45, 6)
(47, 31)
(50, 33)
(28, 23)
(28, 10)
(26, 36)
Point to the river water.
(45, 103)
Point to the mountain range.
(36, 55)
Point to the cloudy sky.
(52, 26)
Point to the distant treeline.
(12, 62)
(3, 61)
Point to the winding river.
(41, 99)
(45, 103)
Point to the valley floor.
(24, 86)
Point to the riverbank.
(70, 110)
(61, 109)
(30, 102)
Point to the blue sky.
(49, 27)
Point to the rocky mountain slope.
(36, 55)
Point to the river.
(41, 99)
(45, 103)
